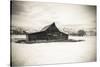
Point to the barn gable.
(50, 28)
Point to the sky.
(33, 16)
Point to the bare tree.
(81, 33)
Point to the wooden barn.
(49, 32)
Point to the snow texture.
(54, 52)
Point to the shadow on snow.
(46, 41)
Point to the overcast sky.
(35, 15)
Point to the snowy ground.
(54, 52)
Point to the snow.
(54, 52)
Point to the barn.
(50, 32)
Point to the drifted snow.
(54, 52)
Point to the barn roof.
(46, 27)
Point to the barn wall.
(47, 36)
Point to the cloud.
(36, 15)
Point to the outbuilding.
(50, 32)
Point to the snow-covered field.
(54, 52)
